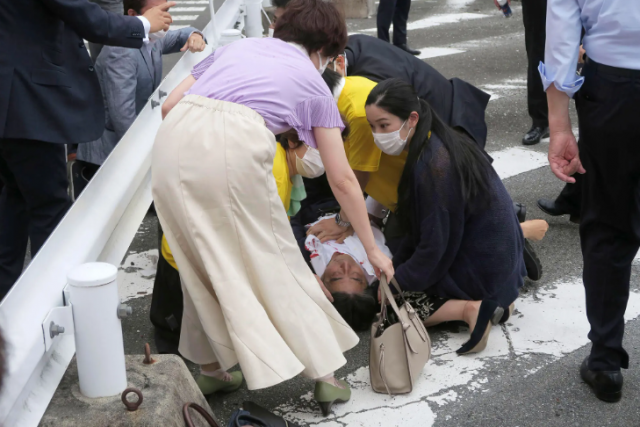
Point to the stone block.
(166, 386)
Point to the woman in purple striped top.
(249, 297)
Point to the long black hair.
(467, 161)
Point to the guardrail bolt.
(124, 311)
(55, 330)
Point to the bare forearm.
(559, 120)
(351, 199)
(363, 180)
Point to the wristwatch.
(342, 223)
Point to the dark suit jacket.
(456, 102)
(49, 90)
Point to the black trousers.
(396, 11)
(534, 15)
(571, 195)
(32, 203)
(607, 106)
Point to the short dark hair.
(331, 78)
(317, 25)
(358, 310)
(136, 5)
(282, 4)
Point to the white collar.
(299, 47)
(337, 91)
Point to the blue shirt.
(612, 38)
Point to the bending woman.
(463, 244)
(218, 205)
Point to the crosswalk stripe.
(515, 160)
(177, 27)
(184, 17)
(434, 21)
(188, 9)
(433, 52)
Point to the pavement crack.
(512, 350)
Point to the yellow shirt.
(283, 182)
(362, 152)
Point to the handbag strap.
(386, 292)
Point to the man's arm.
(174, 41)
(119, 87)
(559, 79)
(96, 25)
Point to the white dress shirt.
(147, 27)
(612, 38)
(321, 253)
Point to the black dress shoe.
(535, 134)
(555, 208)
(521, 211)
(408, 49)
(607, 385)
(531, 262)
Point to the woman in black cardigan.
(463, 247)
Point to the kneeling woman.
(463, 245)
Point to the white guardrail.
(99, 227)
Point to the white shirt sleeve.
(375, 208)
(562, 46)
(147, 28)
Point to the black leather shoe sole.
(607, 385)
(531, 262)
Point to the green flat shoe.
(209, 385)
(326, 395)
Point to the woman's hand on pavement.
(328, 229)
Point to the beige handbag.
(399, 349)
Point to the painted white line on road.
(177, 27)
(136, 275)
(434, 21)
(184, 17)
(205, 2)
(515, 160)
(187, 9)
(509, 88)
(636, 260)
(550, 323)
(433, 52)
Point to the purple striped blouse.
(274, 79)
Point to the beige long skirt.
(249, 296)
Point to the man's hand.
(195, 43)
(324, 288)
(563, 156)
(327, 229)
(498, 4)
(159, 18)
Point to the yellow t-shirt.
(283, 182)
(362, 152)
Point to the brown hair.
(315, 24)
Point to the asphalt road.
(528, 376)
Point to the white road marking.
(177, 27)
(515, 160)
(187, 9)
(180, 2)
(136, 274)
(434, 21)
(551, 323)
(184, 17)
(432, 52)
(511, 87)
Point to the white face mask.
(322, 66)
(157, 35)
(391, 143)
(271, 30)
(310, 165)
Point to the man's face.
(344, 274)
(276, 15)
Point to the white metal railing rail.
(99, 227)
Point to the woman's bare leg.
(466, 311)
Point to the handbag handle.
(386, 294)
